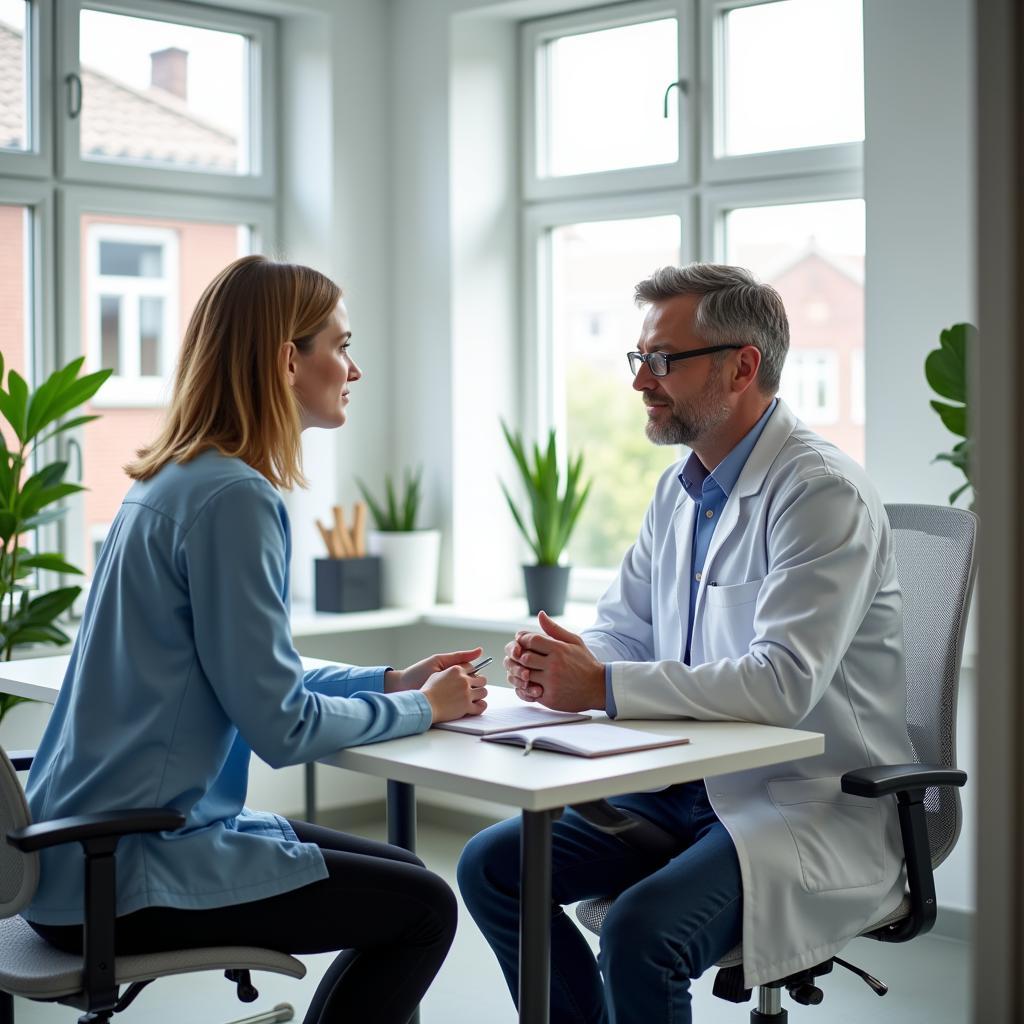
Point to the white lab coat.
(798, 622)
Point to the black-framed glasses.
(658, 362)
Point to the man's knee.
(631, 940)
(490, 857)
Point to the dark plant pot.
(546, 587)
(347, 584)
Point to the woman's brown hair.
(230, 389)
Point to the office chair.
(32, 968)
(935, 562)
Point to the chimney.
(169, 71)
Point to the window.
(607, 99)
(618, 104)
(813, 254)
(14, 90)
(131, 296)
(594, 267)
(178, 99)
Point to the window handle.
(74, 84)
(682, 85)
(75, 449)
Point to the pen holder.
(347, 584)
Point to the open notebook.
(506, 711)
(593, 740)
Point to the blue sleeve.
(609, 695)
(345, 680)
(235, 557)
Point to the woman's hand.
(413, 677)
(454, 693)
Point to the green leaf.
(13, 404)
(954, 417)
(70, 424)
(946, 367)
(375, 510)
(8, 526)
(38, 499)
(74, 394)
(956, 494)
(50, 562)
(42, 519)
(47, 607)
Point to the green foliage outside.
(397, 512)
(34, 419)
(607, 420)
(946, 371)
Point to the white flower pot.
(409, 563)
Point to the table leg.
(402, 827)
(311, 793)
(535, 917)
(402, 815)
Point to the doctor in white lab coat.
(762, 588)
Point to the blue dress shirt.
(182, 668)
(709, 490)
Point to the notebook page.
(505, 711)
(594, 740)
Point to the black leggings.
(394, 920)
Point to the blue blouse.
(182, 668)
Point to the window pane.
(151, 329)
(13, 78)
(604, 102)
(14, 292)
(813, 253)
(139, 315)
(163, 94)
(595, 322)
(794, 75)
(110, 333)
(131, 259)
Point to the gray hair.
(734, 306)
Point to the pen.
(483, 663)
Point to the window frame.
(260, 131)
(839, 156)
(535, 35)
(37, 158)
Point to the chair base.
(757, 1017)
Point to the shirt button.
(696, 576)
(710, 513)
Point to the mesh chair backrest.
(19, 872)
(934, 548)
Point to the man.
(762, 588)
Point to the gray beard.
(686, 425)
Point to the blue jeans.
(673, 916)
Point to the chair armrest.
(885, 779)
(908, 783)
(99, 835)
(21, 759)
(85, 827)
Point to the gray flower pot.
(546, 587)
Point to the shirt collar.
(699, 482)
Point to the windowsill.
(501, 617)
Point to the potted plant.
(554, 510)
(409, 557)
(32, 419)
(946, 371)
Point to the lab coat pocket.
(729, 618)
(839, 838)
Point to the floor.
(928, 980)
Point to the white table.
(541, 785)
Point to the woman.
(184, 666)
